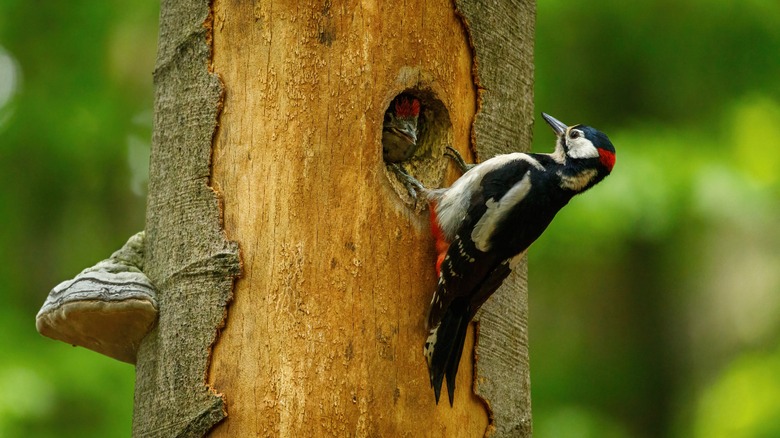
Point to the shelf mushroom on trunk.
(107, 308)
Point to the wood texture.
(187, 256)
(502, 35)
(325, 334)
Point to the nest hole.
(433, 133)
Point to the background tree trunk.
(325, 331)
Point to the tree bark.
(187, 256)
(325, 331)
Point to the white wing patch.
(531, 160)
(454, 203)
(497, 210)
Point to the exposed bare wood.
(325, 334)
(325, 331)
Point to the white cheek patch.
(581, 147)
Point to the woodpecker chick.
(399, 132)
(484, 223)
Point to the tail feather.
(454, 359)
(443, 350)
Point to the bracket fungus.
(108, 308)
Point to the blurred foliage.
(654, 298)
(75, 123)
(744, 400)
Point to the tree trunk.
(325, 330)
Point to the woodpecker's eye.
(574, 134)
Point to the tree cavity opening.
(423, 157)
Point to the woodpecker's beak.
(558, 127)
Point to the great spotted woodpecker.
(484, 223)
(399, 132)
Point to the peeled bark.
(325, 331)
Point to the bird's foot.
(413, 186)
(455, 156)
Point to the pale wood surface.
(325, 331)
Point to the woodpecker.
(399, 133)
(484, 223)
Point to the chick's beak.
(407, 135)
(558, 127)
(408, 129)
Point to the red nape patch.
(607, 158)
(407, 107)
(441, 243)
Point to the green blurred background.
(654, 299)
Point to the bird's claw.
(455, 156)
(412, 185)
